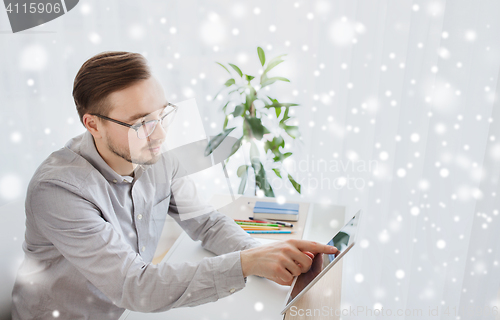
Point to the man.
(95, 211)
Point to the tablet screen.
(322, 260)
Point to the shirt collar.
(84, 145)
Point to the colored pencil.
(254, 221)
(257, 224)
(259, 228)
(284, 224)
(240, 220)
(270, 231)
(257, 220)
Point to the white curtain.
(398, 114)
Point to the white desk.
(244, 304)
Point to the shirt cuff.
(228, 274)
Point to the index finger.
(312, 246)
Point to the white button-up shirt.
(91, 235)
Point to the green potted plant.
(244, 94)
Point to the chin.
(147, 160)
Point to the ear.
(93, 125)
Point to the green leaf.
(250, 98)
(242, 169)
(276, 59)
(293, 131)
(277, 171)
(237, 69)
(280, 104)
(238, 110)
(285, 118)
(272, 100)
(230, 82)
(220, 64)
(254, 152)
(235, 147)
(255, 162)
(224, 107)
(225, 123)
(269, 191)
(280, 157)
(243, 182)
(272, 65)
(261, 179)
(247, 131)
(295, 185)
(215, 97)
(216, 141)
(278, 111)
(262, 56)
(274, 145)
(273, 80)
(256, 127)
(249, 78)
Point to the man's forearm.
(226, 236)
(218, 233)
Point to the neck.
(117, 163)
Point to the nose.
(159, 133)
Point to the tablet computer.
(344, 241)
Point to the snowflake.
(10, 187)
(95, 38)
(359, 278)
(85, 9)
(401, 172)
(414, 137)
(415, 211)
(259, 306)
(470, 35)
(136, 31)
(441, 244)
(34, 58)
(444, 172)
(400, 274)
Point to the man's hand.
(281, 261)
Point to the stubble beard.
(125, 154)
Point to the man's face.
(144, 100)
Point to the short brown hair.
(103, 74)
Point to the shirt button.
(143, 249)
(139, 216)
(232, 290)
(114, 181)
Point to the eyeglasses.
(146, 127)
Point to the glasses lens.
(168, 119)
(146, 129)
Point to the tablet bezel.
(352, 241)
